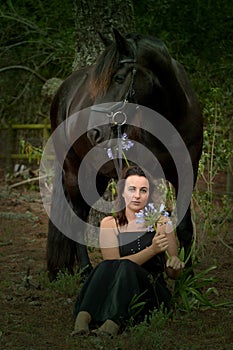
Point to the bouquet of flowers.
(151, 216)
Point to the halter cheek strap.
(115, 111)
(117, 117)
(130, 93)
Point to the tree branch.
(23, 68)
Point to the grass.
(65, 284)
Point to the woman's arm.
(174, 265)
(108, 239)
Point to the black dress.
(112, 285)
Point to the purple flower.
(140, 217)
(109, 153)
(151, 206)
(125, 144)
(150, 216)
(150, 228)
(162, 207)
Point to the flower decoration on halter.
(150, 216)
(126, 144)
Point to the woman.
(133, 262)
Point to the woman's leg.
(110, 288)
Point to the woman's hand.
(159, 243)
(175, 263)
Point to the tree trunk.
(230, 171)
(93, 16)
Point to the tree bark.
(93, 16)
(230, 171)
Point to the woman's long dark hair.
(120, 202)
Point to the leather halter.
(115, 113)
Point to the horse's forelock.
(104, 68)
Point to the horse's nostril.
(94, 136)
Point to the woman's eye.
(144, 191)
(131, 189)
(119, 79)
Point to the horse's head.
(117, 79)
(134, 69)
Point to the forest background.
(38, 42)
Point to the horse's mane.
(103, 70)
(107, 63)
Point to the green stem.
(166, 252)
(126, 160)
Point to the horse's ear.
(122, 43)
(105, 40)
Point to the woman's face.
(136, 192)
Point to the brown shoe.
(108, 327)
(81, 326)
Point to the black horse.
(136, 71)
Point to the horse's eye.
(119, 79)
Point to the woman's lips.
(136, 202)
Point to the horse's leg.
(185, 225)
(76, 225)
(60, 249)
(60, 252)
(185, 234)
(183, 189)
(82, 210)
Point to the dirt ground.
(35, 317)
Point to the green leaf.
(181, 254)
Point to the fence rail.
(10, 141)
(8, 145)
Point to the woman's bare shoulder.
(108, 222)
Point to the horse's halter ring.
(117, 115)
